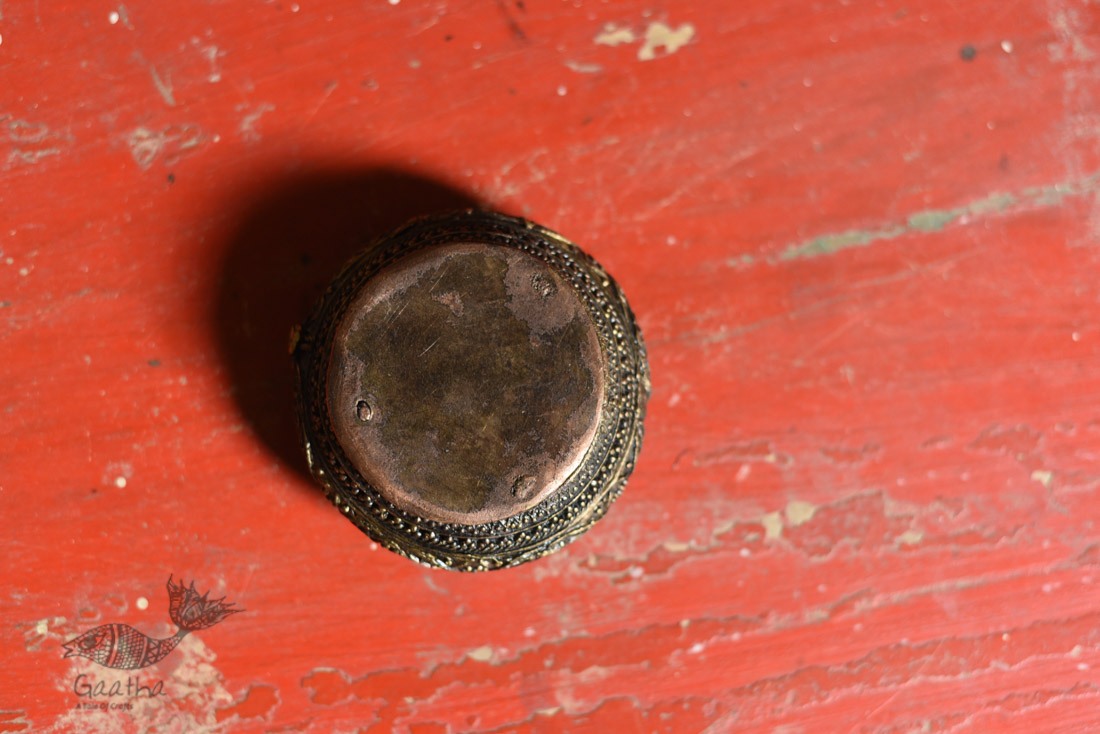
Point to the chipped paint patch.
(613, 35)
(773, 525)
(1043, 477)
(14, 721)
(830, 243)
(935, 220)
(327, 686)
(799, 512)
(572, 666)
(910, 537)
(659, 35)
(481, 654)
(582, 68)
(258, 702)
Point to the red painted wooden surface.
(860, 237)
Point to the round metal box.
(471, 391)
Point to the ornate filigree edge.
(583, 498)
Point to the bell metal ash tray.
(471, 391)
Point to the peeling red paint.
(257, 703)
(866, 273)
(11, 721)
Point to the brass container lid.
(471, 391)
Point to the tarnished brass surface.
(465, 382)
(472, 391)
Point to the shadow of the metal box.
(289, 243)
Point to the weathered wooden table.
(862, 242)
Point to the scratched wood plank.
(861, 242)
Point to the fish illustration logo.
(121, 646)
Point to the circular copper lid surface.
(465, 382)
(471, 391)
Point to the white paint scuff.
(910, 537)
(1043, 477)
(613, 35)
(481, 654)
(212, 54)
(582, 68)
(658, 36)
(147, 145)
(799, 512)
(247, 127)
(773, 525)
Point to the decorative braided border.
(566, 513)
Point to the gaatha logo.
(121, 646)
(83, 686)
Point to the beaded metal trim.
(566, 513)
